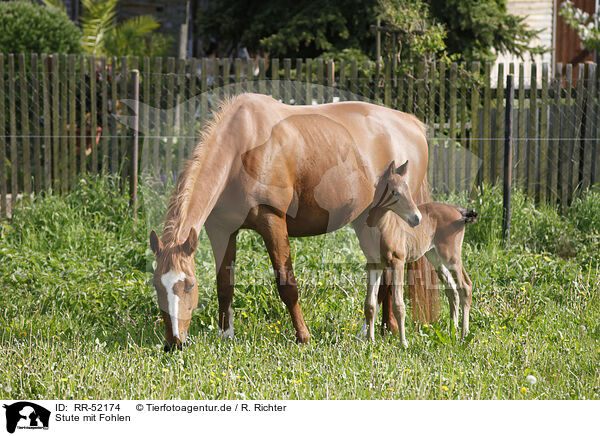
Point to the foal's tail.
(468, 215)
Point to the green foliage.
(136, 37)
(450, 30)
(102, 37)
(97, 22)
(478, 29)
(79, 319)
(586, 25)
(29, 28)
(288, 28)
(419, 37)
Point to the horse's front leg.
(224, 249)
(273, 228)
(397, 268)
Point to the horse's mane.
(179, 201)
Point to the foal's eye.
(395, 193)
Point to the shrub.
(29, 28)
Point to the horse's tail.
(422, 281)
(422, 284)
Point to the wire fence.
(62, 115)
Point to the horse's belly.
(311, 221)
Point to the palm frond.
(138, 26)
(56, 4)
(97, 21)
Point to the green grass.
(79, 319)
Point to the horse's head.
(393, 193)
(176, 286)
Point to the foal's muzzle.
(414, 220)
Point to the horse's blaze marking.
(168, 280)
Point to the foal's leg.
(465, 289)
(224, 249)
(397, 267)
(370, 240)
(374, 273)
(450, 284)
(388, 320)
(273, 228)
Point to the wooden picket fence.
(64, 115)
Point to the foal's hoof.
(404, 345)
(302, 337)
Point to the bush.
(29, 28)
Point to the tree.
(467, 29)
(29, 28)
(288, 28)
(412, 35)
(478, 29)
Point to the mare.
(283, 171)
(439, 237)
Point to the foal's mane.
(186, 181)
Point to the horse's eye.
(395, 193)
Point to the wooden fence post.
(508, 132)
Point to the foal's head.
(393, 193)
(175, 283)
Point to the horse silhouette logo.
(24, 414)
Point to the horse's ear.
(155, 243)
(401, 170)
(191, 243)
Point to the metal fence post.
(133, 173)
(508, 133)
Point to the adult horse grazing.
(282, 171)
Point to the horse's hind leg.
(224, 248)
(273, 228)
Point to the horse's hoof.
(404, 345)
(225, 334)
(302, 337)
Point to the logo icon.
(26, 415)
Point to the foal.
(439, 237)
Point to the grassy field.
(79, 319)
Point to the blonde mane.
(186, 181)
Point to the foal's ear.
(155, 243)
(391, 168)
(401, 170)
(191, 243)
